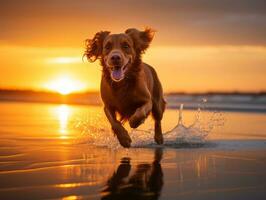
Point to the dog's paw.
(158, 138)
(123, 137)
(134, 121)
(124, 140)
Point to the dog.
(129, 88)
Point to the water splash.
(183, 135)
(96, 131)
(196, 133)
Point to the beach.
(193, 72)
(60, 151)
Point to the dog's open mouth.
(118, 72)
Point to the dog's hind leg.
(157, 112)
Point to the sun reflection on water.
(72, 197)
(63, 112)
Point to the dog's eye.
(125, 46)
(108, 46)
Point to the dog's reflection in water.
(145, 183)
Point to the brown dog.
(129, 87)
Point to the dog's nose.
(116, 58)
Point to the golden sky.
(199, 45)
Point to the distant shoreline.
(88, 98)
(225, 101)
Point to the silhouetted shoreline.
(90, 98)
(225, 101)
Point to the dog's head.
(118, 52)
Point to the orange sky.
(198, 47)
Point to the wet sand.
(43, 155)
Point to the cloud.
(190, 22)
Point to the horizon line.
(13, 90)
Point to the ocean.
(215, 148)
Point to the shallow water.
(59, 152)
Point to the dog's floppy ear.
(94, 46)
(142, 39)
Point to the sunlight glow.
(65, 85)
(65, 60)
(197, 68)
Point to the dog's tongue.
(117, 74)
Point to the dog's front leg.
(140, 115)
(118, 129)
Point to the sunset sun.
(65, 85)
